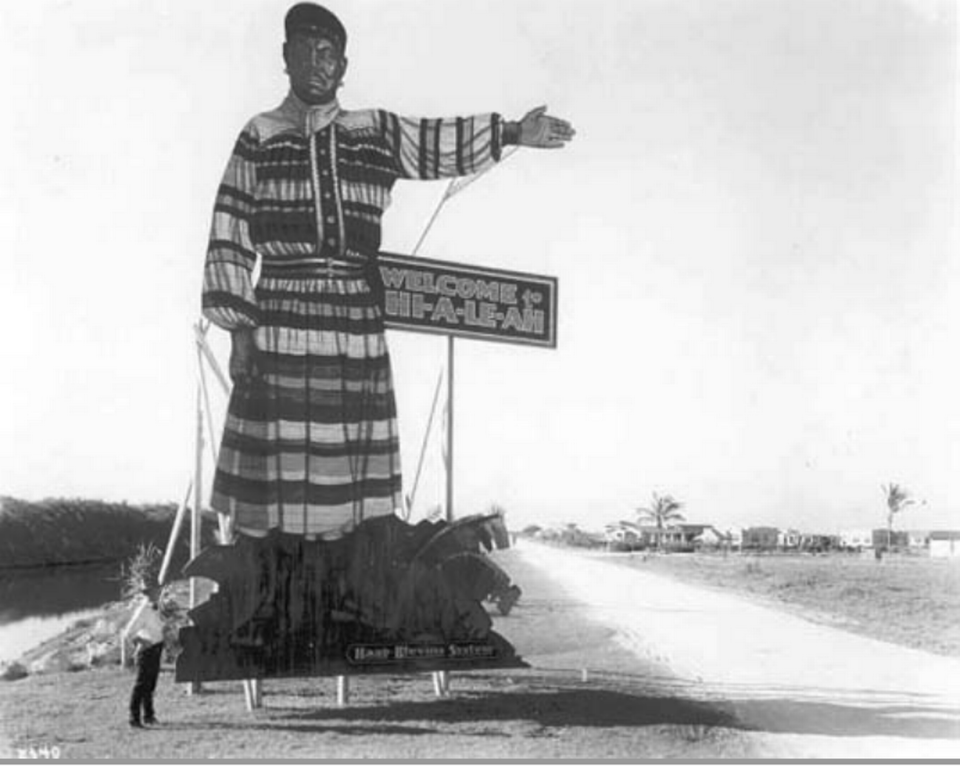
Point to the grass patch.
(909, 600)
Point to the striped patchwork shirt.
(306, 186)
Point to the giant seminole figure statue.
(309, 465)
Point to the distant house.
(735, 536)
(945, 544)
(708, 537)
(788, 539)
(548, 533)
(690, 533)
(856, 539)
(897, 538)
(615, 533)
(668, 538)
(622, 533)
(676, 537)
(684, 537)
(819, 543)
(760, 538)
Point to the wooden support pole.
(449, 428)
(440, 677)
(252, 694)
(197, 497)
(223, 521)
(433, 218)
(174, 534)
(408, 509)
(206, 406)
(211, 359)
(195, 687)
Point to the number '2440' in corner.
(43, 751)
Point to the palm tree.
(898, 498)
(664, 510)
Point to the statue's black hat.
(310, 17)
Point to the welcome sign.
(432, 296)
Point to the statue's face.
(315, 65)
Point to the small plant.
(142, 572)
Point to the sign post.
(450, 342)
(194, 687)
(453, 299)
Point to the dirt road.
(804, 690)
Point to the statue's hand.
(540, 130)
(243, 357)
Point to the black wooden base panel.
(388, 598)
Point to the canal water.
(38, 604)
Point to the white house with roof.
(856, 539)
(945, 544)
(709, 537)
(735, 536)
(622, 532)
(788, 539)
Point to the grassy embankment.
(60, 532)
(909, 600)
(55, 532)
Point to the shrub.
(13, 671)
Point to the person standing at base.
(145, 631)
(310, 445)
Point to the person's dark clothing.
(148, 670)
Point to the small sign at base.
(387, 654)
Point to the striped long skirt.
(312, 447)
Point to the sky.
(754, 232)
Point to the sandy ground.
(806, 690)
(623, 665)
